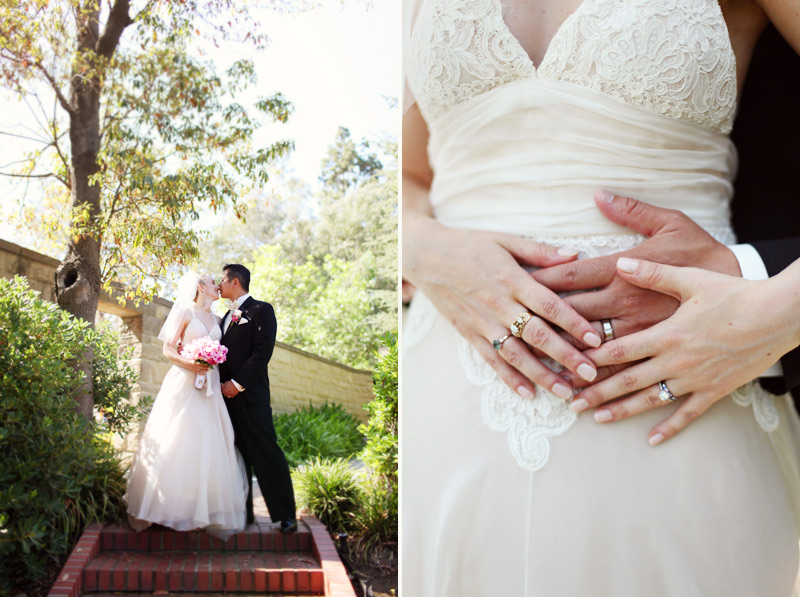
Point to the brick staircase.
(161, 561)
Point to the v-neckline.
(205, 327)
(561, 27)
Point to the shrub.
(375, 524)
(113, 379)
(380, 452)
(329, 490)
(325, 432)
(56, 473)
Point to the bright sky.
(335, 64)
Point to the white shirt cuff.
(238, 387)
(750, 262)
(753, 268)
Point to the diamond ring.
(664, 394)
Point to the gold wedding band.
(519, 324)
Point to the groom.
(248, 330)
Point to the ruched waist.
(527, 157)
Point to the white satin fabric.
(187, 474)
(502, 496)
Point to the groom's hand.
(673, 239)
(229, 390)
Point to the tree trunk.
(78, 280)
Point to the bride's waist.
(568, 210)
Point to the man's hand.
(673, 239)
(229, 390)
(726, 332)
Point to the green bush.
(56, 472)
(330, 491)
(375, 524)
(113, 378)
(380, 451)
(326, 431)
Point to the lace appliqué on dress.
(670, 56)
(529, 424)
(763, 404)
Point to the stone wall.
(297, 378)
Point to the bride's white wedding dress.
(186, 473)
(513, 497)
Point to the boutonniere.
(236, 317)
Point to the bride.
(186, 473)
(521, 111)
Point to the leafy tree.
(144, 133)
(345, 166)
(323, 308)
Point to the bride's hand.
(475, 280)
(726, 332)
(198, 368)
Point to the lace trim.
(762, 402)
(670, 56)
(529, 424)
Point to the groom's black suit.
(766, 202)
(250, 347)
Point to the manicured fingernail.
(605, 196)
(562, 391)
(656, 439)
(602, 416)
(587, 372)
(525, 392)
(627, 265)
(564, 252)
(579, 405)
(592, 340)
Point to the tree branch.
(12, 175)
(61, 98)
(118, 19)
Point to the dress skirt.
(187, 474)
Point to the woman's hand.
(475, 280)
(726, 332)
(198, 368)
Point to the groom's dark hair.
(240, 272)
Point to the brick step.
(282, 572)
(254, 537)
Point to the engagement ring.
(664, 393)
(498, 344)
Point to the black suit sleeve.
(777, 255)
(266, 328)
(767, 191)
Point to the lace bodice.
(673, 57)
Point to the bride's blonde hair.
(201, 279)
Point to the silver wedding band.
(608, 331)
(664, 394)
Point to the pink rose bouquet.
(205, 351)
